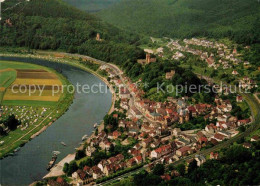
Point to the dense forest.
(52, 24)
(91, 5)
(236, 19)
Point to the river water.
(29, 164)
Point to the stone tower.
(98, 37)
(148, 58)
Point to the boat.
(84, 137)
(64, 144)
(56, 152)
(52, 162)
(95, 125)
(17, 149)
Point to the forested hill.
(45, 8)
(55, 25)
(91, 5)
(237, 19)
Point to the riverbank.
(19, 138)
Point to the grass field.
(7, 77)
(243, 105)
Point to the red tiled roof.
(86, 168)
(203, 139)
(256, 138)
(213, 141)
(124, 90)
(185, 149)
(192, 109)
(138, 158)
(60, 180)
(115, 115)
(163, 148)
(116, 133)
(135, 152)
(219, 136)
(119, 157)
(131, 161)
(166, 177)
(112, 159)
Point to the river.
(29, 164)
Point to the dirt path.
(256, 96)
(7, 70)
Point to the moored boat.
(84, 137)
(52, 162)
(56, 152)
(17, 149)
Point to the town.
(216, 55)
(146, 132)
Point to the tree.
(12, 122)
(110, 120)
(88, 162)
(214, 73)
(158, 170)
(192, 166)
(242, 128)
(2, 131)
(152, 179)
(180, 181)
(98, 156)
(181, 169)
(72, 167)
(238, 154)
(80, 154)
(171, 167)
(138, 178)
(66, 168)
(112, 149)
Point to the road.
(122, 176)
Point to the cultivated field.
(28, 82)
